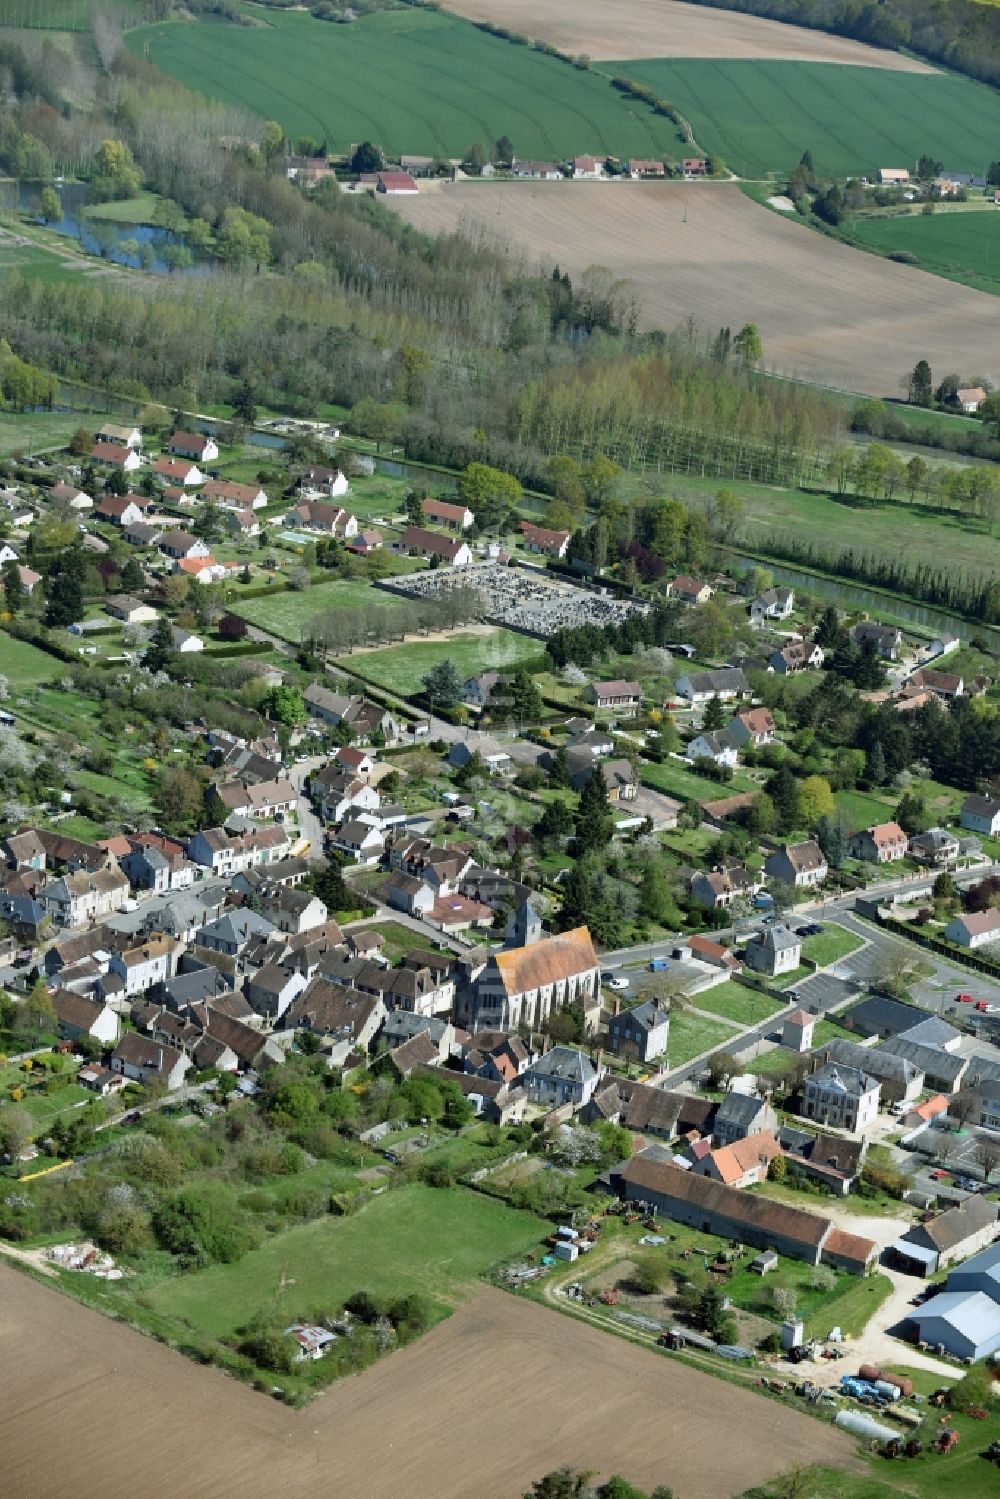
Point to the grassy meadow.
(761, 116)
(962, 244)
(402, 668)
(412, 80)
(287, 613)
(413, 1239)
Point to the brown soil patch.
(826, 313)
(93, 1409)
(608, 29)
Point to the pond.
(101, 237)
(856, 596)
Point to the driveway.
(309, 824)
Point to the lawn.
(31, 432)
(761, 116)
(412, 80)
(830, 946)
(959, 243)
(40, 263)
(690, 1035)
(675, 779)
(861, 809)
(137, 210)
(398, 940)
(402, 668)
(288, 612)
(24, 665)
(735, 1001)
(411, 1239)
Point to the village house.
(496, 759)
(230, 496)
(346, 1020)
(927, 1248)
(453, 517)
(621, 780)
(705, 950)
(29, 579)
(726, 682)
(178, 471)
(542, 539)
(981, 814)
(974, 929)
(717, 745)
(880, 844)
(265, 799)
(243, 522)
(774, 951)
(119, 436)
(526, 985)
(639, 169)
(537, 171)
(395, 184)
(687, 590)
(114, 455)
(68, 494)
(943, 684)
(901, 1079)
(129, 610)
(641, 1034)
(317, 515)
(722, 885)
(476, 691)
(121, 509)
(419, 542)
(75, 899)
(336, 792)
(773, 603)
(185, 642)
(228, 853)
(139, 534)
(79, 1015)
(753, 726)
(177, 544)
(362, 843)
(797, 1031)
(937, 847)
(970, 398)
(799, 864)
(798, 655)
(320, 480)
(839, 1097)
(617, 696)
(944, 1071)
(886, 638)
(152, 962)
(204, 569)
(562, 1076)
(742, 1164)
(139, 1058)
(308, 170)
(587, 168)
(196, 445)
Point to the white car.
(614, 981)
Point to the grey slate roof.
(931, 1032)
(875, 1061)
(564, 1061)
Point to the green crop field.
(413, 1239)
(285, 614)
(411, 80)
(57, 15)
(761, 116)
(965, 246)
(24, 432)
(402, 668)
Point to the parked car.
(964, 999)
(614, 980)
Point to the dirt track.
(607, 29)
(489, 1400)
(826, 313)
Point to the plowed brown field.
(826, 313)
(607, 29)
(499, 1394)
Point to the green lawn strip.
(138, 210)
(733, 1001)
(24, 664)
(398, 940)
(690, 1035)
(791, 978)
(672, 778)
(833, 943)
(828, 1030)
(411, 1239)
(861, 809)
(413, 80)
(402, 668)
